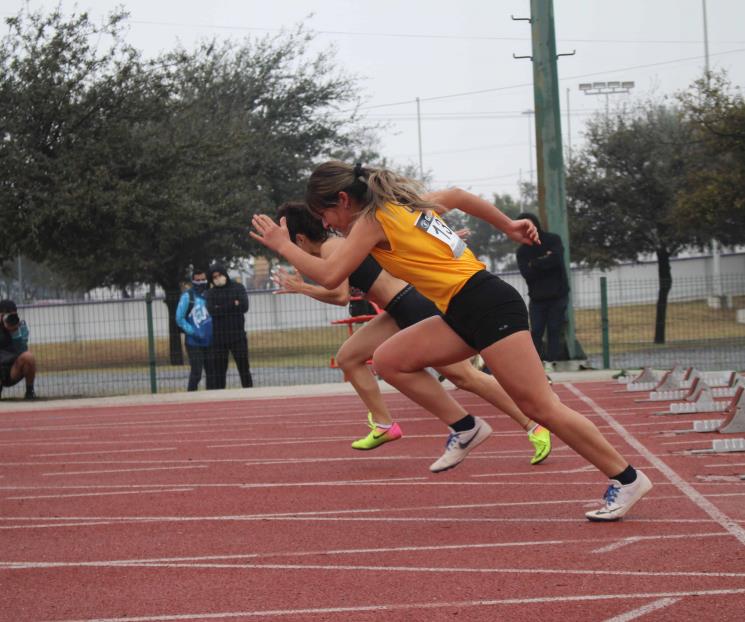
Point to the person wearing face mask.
(227, 303)
(194, 319)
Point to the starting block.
(680, 393)
(648, 379)
(721, 384)
(734, 417)
(727, 445)
(701, 400)
(707, 425)
(729, 389)
(677, 378)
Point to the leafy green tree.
(711, 202)
(622, 189)
(124, 171)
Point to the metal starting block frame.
(647, 376)
(734, 417)
(689, 387)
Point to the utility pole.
(549, 151)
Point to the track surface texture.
(258, 509)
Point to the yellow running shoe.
(541, 439)
(378, 436)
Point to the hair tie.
(358, 170)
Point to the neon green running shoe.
(541, 439)
(378, 436)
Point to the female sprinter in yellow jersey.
(403, 306)
(384, 214)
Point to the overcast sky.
(456, 56)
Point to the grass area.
(307, 347)
(631, 327)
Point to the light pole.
(419, 133)
(529, 114)
(716, 270)
(569, 130)
(606, 88)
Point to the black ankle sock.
(465, 424)
(627, 476)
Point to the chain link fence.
(130, 346)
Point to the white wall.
(126, 318)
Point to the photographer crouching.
(16, 361)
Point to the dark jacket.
(12, 345)
(227, 305)
(542, 265)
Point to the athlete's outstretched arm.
(293, 283)
(522, 231)
(329, 271)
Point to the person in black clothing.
(227, 303)
(542, 267)
(16, 360)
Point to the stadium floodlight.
(613, 87)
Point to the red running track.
(260, 510)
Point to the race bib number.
(437, 228)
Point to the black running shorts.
(409, 307)
(486, 310)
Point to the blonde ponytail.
(371, 187)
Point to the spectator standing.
(16, 360)
(194, 319)
(227, 303)
(542, 267)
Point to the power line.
(403, 35)
(466, 150)
(460, 116)
(450, 181)
(530, 84)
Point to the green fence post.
(604, 320)
(151, 343)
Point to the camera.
(12, 319)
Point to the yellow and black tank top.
(425, 252)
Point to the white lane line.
(480, 456)
(274, 613)
(126, 461)
(642, 611)
(532, 472)
(8, 565)
(322, 519)
(104, 494)
(689, 491)
(56, 525)
(616, 545)
(337, 513)
(102, 451)
(446, 570)
(196, 466)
